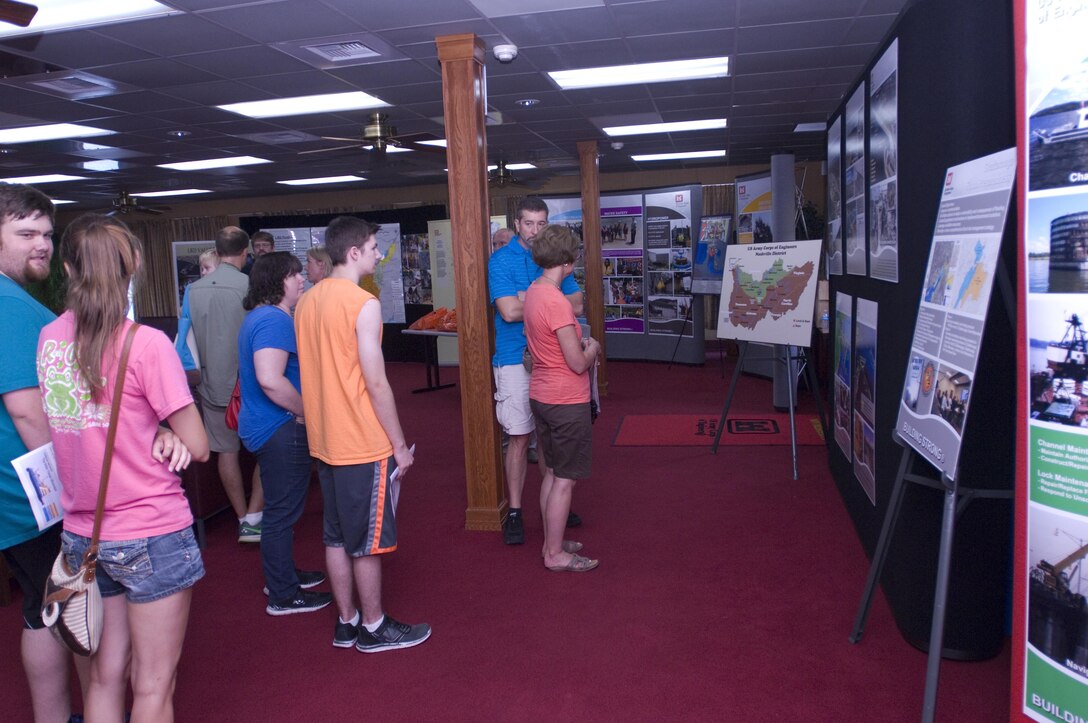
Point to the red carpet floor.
(726, 592)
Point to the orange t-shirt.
(546, 310)
(340, 420)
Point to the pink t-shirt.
(545, 311)
(143, 498)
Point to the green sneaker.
(249, 533)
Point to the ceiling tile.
(174, 35)
(571, 26)
(278, 21)
(159, 73)
(75, 49)
(245, 62)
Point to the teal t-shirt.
(21, 320)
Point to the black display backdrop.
(395, 346)
(956, 103)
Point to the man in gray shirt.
(215, 303)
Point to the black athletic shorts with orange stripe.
(358, 507)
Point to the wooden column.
(462, 60)
(591, 236)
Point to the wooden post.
(462, 60)
(591, 236)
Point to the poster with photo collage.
(669, 251)
(883, 165)
(1054, 362)
(855, 185)
(622, 256)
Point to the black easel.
(956, 499)
(790, 358)
(683, 328)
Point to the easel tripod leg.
(729, 395)
(880, 554)
(940, 598)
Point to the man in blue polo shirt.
(509, 272)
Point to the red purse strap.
(91, 556)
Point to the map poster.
(387, 276)
(769, 292)
(843, 356)
(1050, 612)
(187, 264)
(854, 220)
(754, 208)
(834, 197)
(623, 264)
(710, 254)
(883, 162)
(295, 241)
(668, 263)
(865, 396)
(952, 312)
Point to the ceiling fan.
(125, 204)
(17, 13)
(378, 135)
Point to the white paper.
(394, 482)
(37, 470)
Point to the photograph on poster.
(1058, 133)
(1058, 358)
(681, 259)
(1057, 242)
(662, 283)
(953, 390)
(681, 233)
(709, 262)
(658, 259)
(629, 266)
(621, 231)
(921, 379)
(1057, 625)
(938, 285)
(624, 290)
(961, 273)
(854, 224)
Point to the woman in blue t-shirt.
(271, 426)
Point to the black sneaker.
(344, 635)
(391, 635)
(305, 601)
(573, 520)
(513, 530)
(306, 579)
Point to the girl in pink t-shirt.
(148, 558)
(559, 392)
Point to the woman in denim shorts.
(148, 559)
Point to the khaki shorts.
(221, 438)
(512, 399)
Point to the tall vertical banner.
(754, 208)
(668, 263)
(843, 357)
(865, 397)
(854, 220)
(883, 165)
(623, 262)
(1052, 545)
(834, 197)
(951, 317)
(710, 254)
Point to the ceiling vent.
(70, 85)
(343, 52)
(340, 51)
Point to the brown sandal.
(577, 564)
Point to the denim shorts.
(145, 569)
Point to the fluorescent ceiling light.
(514, 167)
(106, 165)
(641, 73)
(214, 163)
(179, 192)
(301, 105)
(51, 132)
(647, 128)
(679, 156)
(60, 201)
(810, 128)
(441, 143)
(318, 181)
(63, 14)
(48, 178)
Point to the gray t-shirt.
(215, 303)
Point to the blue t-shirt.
(511, 269)
(21, 320)
(266, 327)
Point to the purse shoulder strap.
(111, 435)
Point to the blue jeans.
(144, 569)
(285, 475)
